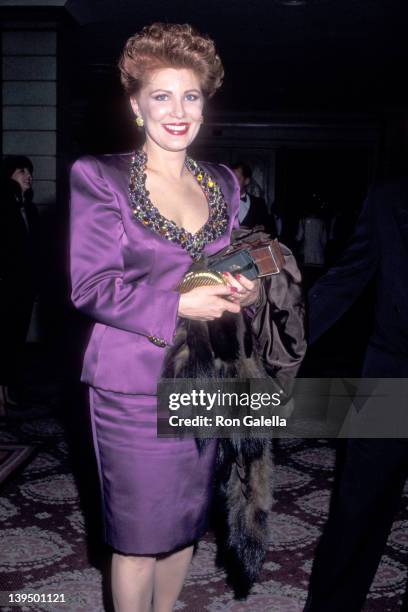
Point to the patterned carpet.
(12, 456)
(46, 547)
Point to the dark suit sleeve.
(266, 218)
(2, 239)
(336, 291)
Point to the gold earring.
(139, 121)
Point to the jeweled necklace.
(143, 209)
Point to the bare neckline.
(149, 215)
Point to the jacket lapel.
(227, 184)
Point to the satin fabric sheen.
(155, 492)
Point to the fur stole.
(265, 342)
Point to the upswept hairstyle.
(170, 45)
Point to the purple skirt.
(155, 491)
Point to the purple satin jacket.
(124, 274)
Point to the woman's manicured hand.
(247, 291)
(208, 303)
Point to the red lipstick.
(176, 129)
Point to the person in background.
(312, 239)
(252, 209)
(277, 218)
(18, 270)
(373, 471)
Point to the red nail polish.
(234, 289)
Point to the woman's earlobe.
(135, 106)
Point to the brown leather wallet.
(254, 255)
(268, 257)
(253, 259)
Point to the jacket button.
(157, 341)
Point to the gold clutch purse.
(199, 278)
(253, 255)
